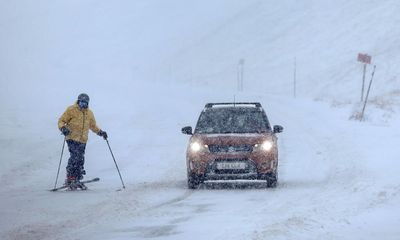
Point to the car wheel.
(193, 181)
(272, 180)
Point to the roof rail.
(256, 104)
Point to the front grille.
(230, 148)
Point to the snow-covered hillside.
(149, 68)
(324, 37)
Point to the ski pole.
(59, 165)
(123, 185)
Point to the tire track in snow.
(132, 202)
(334, 198)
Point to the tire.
(272, 180)
(193, 181)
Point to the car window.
(232, 120)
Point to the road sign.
(364, 58)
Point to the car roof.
(221, 108)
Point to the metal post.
(366, 98)
(240, 74)
(294, 78)
(363, 82)
(238, 77)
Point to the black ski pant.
(76, 161)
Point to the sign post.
(294, 78)
(365, 59)
(240, 74)
(366, 98)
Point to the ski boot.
(80, 184)
(73, 183)
(70, 182)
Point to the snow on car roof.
(234, 104)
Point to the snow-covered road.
(149, 68)
(334, 184)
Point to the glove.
(103, 134)
(65, 131)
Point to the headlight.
(265, 146)
(195, 147)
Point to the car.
(232, 141)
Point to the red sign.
(364, 58)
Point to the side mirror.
(278, 129)
(187, 130)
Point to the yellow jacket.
(78, 121)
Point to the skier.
(74, 124)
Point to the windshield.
(232, 120)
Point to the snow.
(150, 67)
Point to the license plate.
(231, 165)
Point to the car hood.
(232, 139)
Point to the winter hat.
(83, 97)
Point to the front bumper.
(204, 163)
(253, 171)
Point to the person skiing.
(74, 124)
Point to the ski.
(65, 186)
